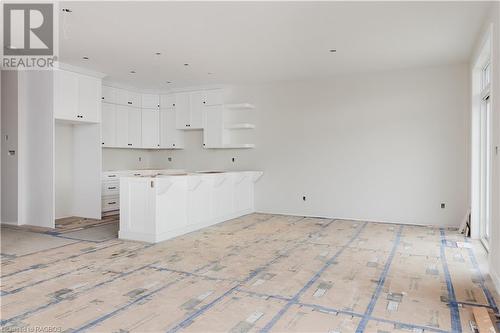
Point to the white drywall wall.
(125, 159)
(63, 170)
(383, 146)
(36, 148)
(9, 170)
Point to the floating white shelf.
(241, 106)
(237, 145)
(236, 126)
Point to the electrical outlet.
(233, 159)
(304, 198)
(443, 205)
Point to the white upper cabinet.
(108, 125)
(167, 101)
(213, 134)
(89, 101)
(66, 95)
(150, 101)
(197, 103)
(170, 136)
(150, 128)
(108, 94)
(128, 98)
(213, 97)
(182, 112)
(189, 110)
(77, 97)
(128, 127)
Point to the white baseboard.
(495, 278)
(160, 237)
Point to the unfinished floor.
(261, 272)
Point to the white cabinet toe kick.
(154, 209)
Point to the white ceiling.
(248, 42)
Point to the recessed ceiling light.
(333, 50)
(132, 72)
(85, 58)
(157, 53)
(67, 10)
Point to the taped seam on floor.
(15, 291)
(486, 291)
(316, 276)
(57, 301)
(197, 313)
(360, 315)
(456, 325)
(58, 260)
(380, 283)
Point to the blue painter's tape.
(58, 260)
(456, 325)
(309, 283)
(380, 283)
(482, 282)
(360, 315)
(58, 300)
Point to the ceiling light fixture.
(332, 50)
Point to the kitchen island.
(157, 208)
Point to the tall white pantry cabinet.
(45, 104)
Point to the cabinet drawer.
(109, 204)
(110, 188)
(110, 176)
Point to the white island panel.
(154, 209)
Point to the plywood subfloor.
(69, 224)
(260, 272)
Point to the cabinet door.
(167, 101)
(108, 125)
(213, 97)
(89, 99)
(108, 94)
(150, 101)
(66, 95)
(182, 111)
(122, 126)
(150, 128)
(128, 98)
(170, 136)
(214, 127)
(134, 128)
(196, 103)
